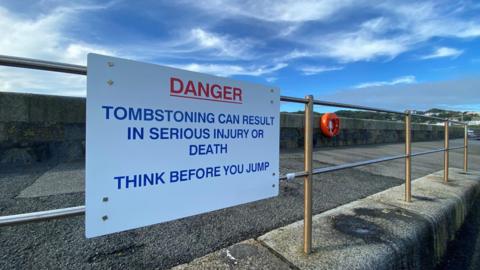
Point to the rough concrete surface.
(42, 128)
(62, 179)
(61, 243)
(463, 252)
(382, 231)
(248, 254)
(360, 235)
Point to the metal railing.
(308, 172)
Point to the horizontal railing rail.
(309, 171)
(41, 65)
(80, 210)
(351, 106)
(29, 63)
(42, 215)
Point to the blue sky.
(393, 54)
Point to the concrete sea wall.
(378, 232)
(40, 128)
(37, 128)
(357, 132)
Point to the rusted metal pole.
(307, 221)
(465, 150)
(445, 157)
(408, 159)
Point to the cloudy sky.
(392, 54)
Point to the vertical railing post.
(465, 149)
(445, 157)
(307, 221)
(408, 158)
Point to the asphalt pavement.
(62, 244)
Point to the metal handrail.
(80, 210)
(30, 63)
(351, 106)
(42, 215)
(293, 99)
(439, 119)
(356, 164)
(308, 101)
(21, 62)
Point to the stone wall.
(39, 128)
(358, 131)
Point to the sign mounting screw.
(104, 218)
(105, 199)
(271, 90)
(271, 101)
(110, 64)
(109, 82)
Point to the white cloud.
(443, 52)
(427, 19)
(416, 96)
(377, 25)
(401, 26)
(280, 10)
(46, 37)
(43, 38)
(197, 44)
(359, 46)
(295, 54)
(271, 79)
(289, 30)
(226, 70)
(224, 46)
(208, 40)
(400, 80)
(312, 70)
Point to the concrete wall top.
(35, 128)
(296, 120)
(16, 107)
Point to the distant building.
(473, 122)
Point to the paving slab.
(444, 205)
(248, 254)
(382, 231)
(359, 235)
(64, 178)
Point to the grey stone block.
(359, 235)
(382, 231)
(55, 109)
(3, 132)
(17, 156)
(248, 254)
(13, 107)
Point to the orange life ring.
(330, 124)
